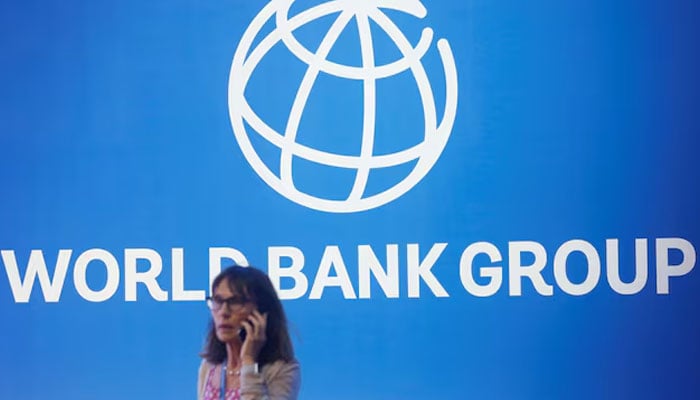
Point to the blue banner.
(453, 199)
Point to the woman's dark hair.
(255, 285)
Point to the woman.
(248, 354)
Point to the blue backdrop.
(575, 120)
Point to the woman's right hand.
(255, 326)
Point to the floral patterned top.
(213, 393)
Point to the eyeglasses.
(234, 303)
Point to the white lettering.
(593, 264)
(664, 270)
(494, 273)
(332, 258)
(178, 270)
(387, 279)
(612, 261)
(216, 257)
(36, 267)
(80, 275)
(276, 271)
(481, 270)
(418, 270)
(516, 270)
(148, 278)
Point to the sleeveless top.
(214, 393)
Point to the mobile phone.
(242, 334)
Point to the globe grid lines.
(426, 153)
(303, 94)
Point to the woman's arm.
(277, 381)
(202, 378)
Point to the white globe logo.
(424, 154)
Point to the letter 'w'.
(22, 288)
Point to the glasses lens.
(234, 303)
(213, 304)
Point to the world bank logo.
(280, 155)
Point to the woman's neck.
(233, 352)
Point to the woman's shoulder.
(204, 368)
(205, 365)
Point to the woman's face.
(233, 309)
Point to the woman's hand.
(255, 326)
